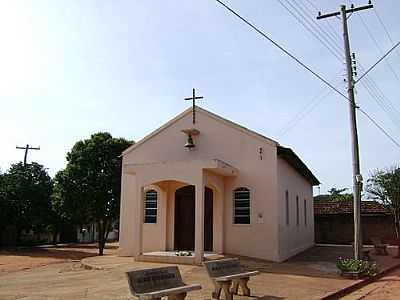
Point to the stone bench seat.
(380, 248)
(236, 276)
(159, 282)
(227, 275)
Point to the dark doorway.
(185, 218)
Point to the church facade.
(214, 186)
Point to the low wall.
(338, 229)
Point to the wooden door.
(184, 218)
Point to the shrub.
(362, 267)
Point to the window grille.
(150, 207)
(241, 203)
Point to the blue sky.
(72, 68)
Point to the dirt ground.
(388, 287)
(28, 258)
(57, 273)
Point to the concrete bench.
(159, 282)
(380, 248)
(227, 276)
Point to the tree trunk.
(100, 233)
(54, 236)
(18, 237)
(103, 229)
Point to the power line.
(385, 29)
(379, 91)
(381, 103)
(374, 65)
(282, 49)
(309, 27)
(379, 48)
(325, 33)
(379, 126)
(333, 30)
(302, 64)
(306, 110)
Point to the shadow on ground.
(72, 251)
(318, 262)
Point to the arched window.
(150, 207)
(241, 206)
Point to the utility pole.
(357, 178)
(27, 148)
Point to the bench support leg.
(243, 285)
(235, 287)
(222, 286)
(177, 297)
(217, 290)
(226, 286)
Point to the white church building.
(210, 186)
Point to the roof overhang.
(216, 166)
(292, 159)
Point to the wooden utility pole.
(357, 178)
(27, 148)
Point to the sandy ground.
(25, 259)
(56, 273)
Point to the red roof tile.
(324, 207)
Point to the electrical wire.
(379, 126)
(308, 68)
(307, 15)
(283, 49)
(375, 64)
(309, 27)
(385, 28)
(306, 110)
(379, 47)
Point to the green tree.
(339, 195)
(3, 204)
(88, 190)
(26, 190)
(384, 186)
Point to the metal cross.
(194, 98)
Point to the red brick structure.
(334, 221)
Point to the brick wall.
(338, 228)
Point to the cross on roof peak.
(194, 98)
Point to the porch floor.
(171, 257)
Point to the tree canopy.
(88, 190)
(25, 197)
(384, 186)
(339, 194)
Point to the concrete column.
(139, 216)
(199, 220)
(218, 220)
(127, 210)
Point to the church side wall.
(295, 235)
(259, 238)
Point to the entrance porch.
(171, 257)
(178, 210)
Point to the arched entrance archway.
(184, 231)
